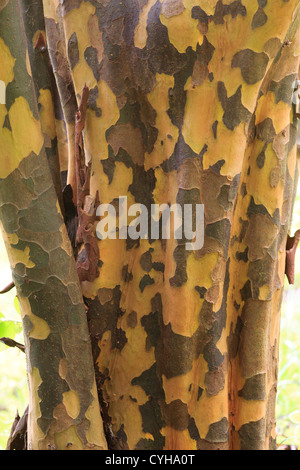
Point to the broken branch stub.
(291, 247)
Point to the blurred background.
(13, 381)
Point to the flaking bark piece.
(40, 43)
(291, 247)
(88, 254)
(18, 434)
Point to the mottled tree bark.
(190, 101)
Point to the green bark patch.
(218, 432)
(252, 435)
(254, 388)
(234, 111)
(252, 64)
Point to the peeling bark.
(291, 247)
(88, 257)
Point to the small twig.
(10, 286)
(12, 343)
(291, 247)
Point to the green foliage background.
(13, 381)
(288, 395)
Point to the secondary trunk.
(189, 102)
(64, 409)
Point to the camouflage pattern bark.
(190, 102)
(64, 408)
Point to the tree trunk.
(161, 102)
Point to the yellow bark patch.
(199, 269)
(132, 300)
(11, 238)
(128, 358)
(40, 328)
(46, 112)
(9, 157)
(138, 394)
(50, 7)
(280, 112)
(249, 96)
(2, 114)
(184, 321)
(270, 197)
(95, 434)
(111, 268)
(231, 144)
(140, 33)
(68, 439)
(78, 20)
(166, 187)
(178, 388)
(35, 434)
(28, 66)
(25, 137)
(186, 388)
(201, 111)
(7, 62)
(168, 133)
(207, 5)
(63, 368)
(124, 364)
(72, 403)
(126, 412)
(119, 185)
(95, 142)
(20, 256)
(205, 410)
(210, 410)
(279, 20)
(249, 410)
(188, 27)
(239, 276)
(264, 292)
(226, 45)
(179, 440)
(3, 4)
(276, 307)
(83, 75)
(281, 265)
(65, 241)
